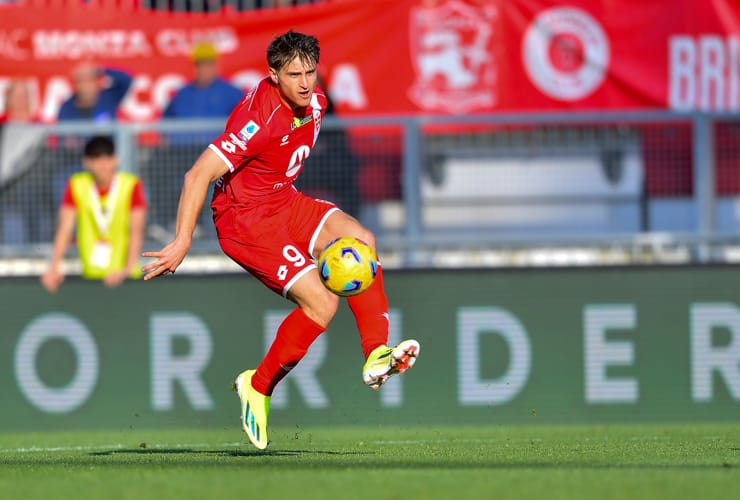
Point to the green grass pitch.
(698, 461)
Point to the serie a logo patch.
(248, 131)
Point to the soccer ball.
(347, 266)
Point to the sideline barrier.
(498, 347)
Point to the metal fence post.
(125, 148)
(412, 187)
(703, 169)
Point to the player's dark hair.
(100, 145)
(286, 47)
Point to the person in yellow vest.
(109, 209)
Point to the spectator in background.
(98, 92)
(25, 205)
(207, 95)
(18, 106)
(109, 208)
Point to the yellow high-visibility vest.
(103, 224)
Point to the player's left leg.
(279, 263)
(296, 333)
(370, 309)
(255, 408)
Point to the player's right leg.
(384, 362)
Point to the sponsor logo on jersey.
(299, 122)
(248, 131)
(452, 52)
(242, 145)
(297, 159)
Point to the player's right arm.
(206, 169)
(54, 276)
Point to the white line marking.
(462, 440)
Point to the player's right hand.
(168, 259)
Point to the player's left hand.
(168, 259)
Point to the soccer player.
(274, 231)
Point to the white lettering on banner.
(76, 44)
(137, 107)
(714, 344)
(599, 353)
(164, 88)
(179, 42)
(132, 106)
(708, 356)
(58, 89)
(472, 323)
(305, 378)
(346, 87)
(56, 399)
(12, 44)
(703, 73)
(167, 368)
(246, 79)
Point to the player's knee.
(367, 236)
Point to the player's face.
(295, 81)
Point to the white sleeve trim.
(222, 156)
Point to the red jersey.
(264, 145)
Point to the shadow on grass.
(225, 453)
(301, 459)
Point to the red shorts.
(275, 243)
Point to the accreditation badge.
(101, 255)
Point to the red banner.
(405, 56)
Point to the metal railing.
(504, 189)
